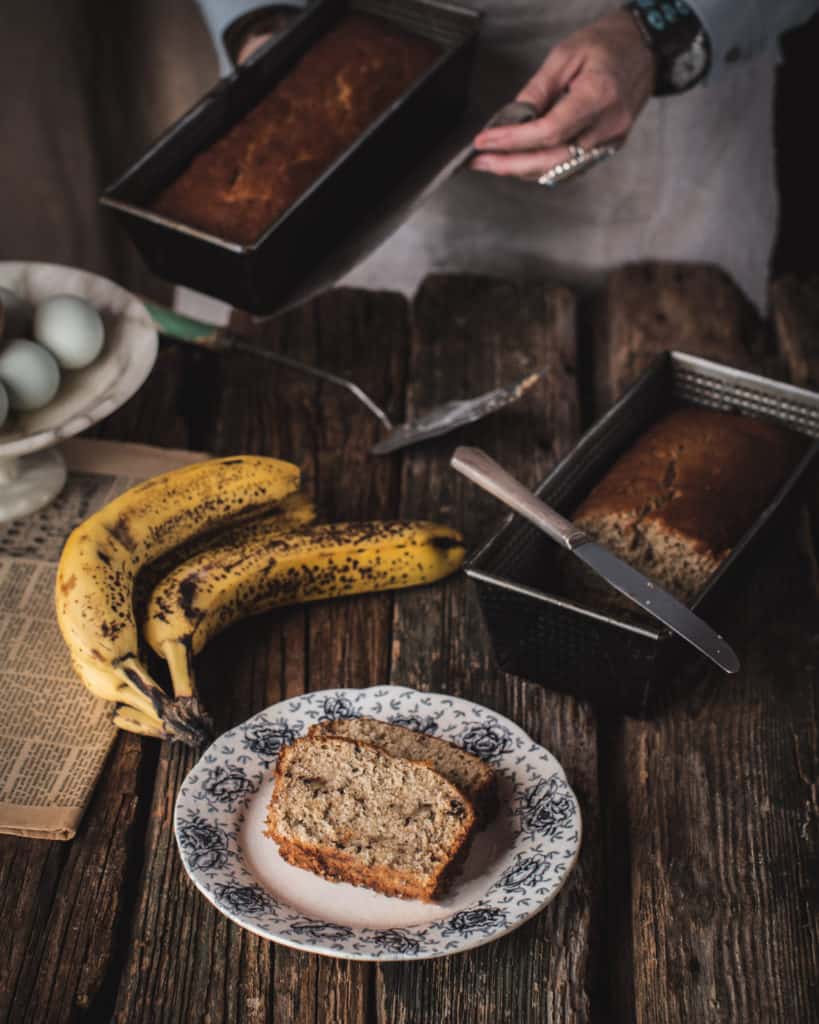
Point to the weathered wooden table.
(695, 897)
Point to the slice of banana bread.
(352, 813)
(472, 776)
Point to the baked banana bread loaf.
(472, 776)
(676, 502)
(352, 813)
(240, 185)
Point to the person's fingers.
(550, 80)
(530, 165)
(574, 112)
(541, 91)
(611, 129)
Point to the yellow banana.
(128, 718)
(291, 512)
(101, 559)
(106, 685)
(207, 593)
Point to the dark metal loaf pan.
(260, 277)
(567, 646)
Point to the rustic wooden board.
(695, 895)
(719, 795)
(649, 308)
(471, 334)
(795, 313)
(68, 905)
(187, 962)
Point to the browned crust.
(241, 183)
(483, 797)
(337, 866)
(698, 474)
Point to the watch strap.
(675, 35)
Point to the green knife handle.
(184, 328)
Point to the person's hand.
(591, 88)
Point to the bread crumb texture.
(238, 186)
(472, 776)
(349, 811)
(676, 502)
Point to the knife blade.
(478, 467)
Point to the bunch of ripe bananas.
(219, 540)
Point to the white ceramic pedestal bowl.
(32, 469)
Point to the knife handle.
(477, 466)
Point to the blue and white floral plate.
(515, 867)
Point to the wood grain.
(695, 897)
(68, 906)
(245, 404)
(719, 795)
(471, 334)
(649, 308)
(795, 313)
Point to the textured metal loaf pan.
(570, 647)
(263, 277)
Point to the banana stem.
(180, 665)
(182, 719)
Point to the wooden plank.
(69, 903)
(649, 308)
(472, 334)
(186, 961)
(795, 313)
(719, 795)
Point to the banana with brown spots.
(101, 559)
(258, 571)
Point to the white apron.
(695, 181)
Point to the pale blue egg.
(71, 329)
(29, 373)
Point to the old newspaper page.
(54, 736)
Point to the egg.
(4, 405)
(29, 373)
(70, 329)
(17, 314)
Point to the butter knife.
(477, 466)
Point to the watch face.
(690, 66)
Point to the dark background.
(798, 152)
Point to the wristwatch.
(676, 37)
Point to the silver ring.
(575, 164)
(576, 152)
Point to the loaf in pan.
(365, 89)
(568, 639)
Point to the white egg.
(4, 405)
(70, 329)
(16, 314)
(30, 374)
